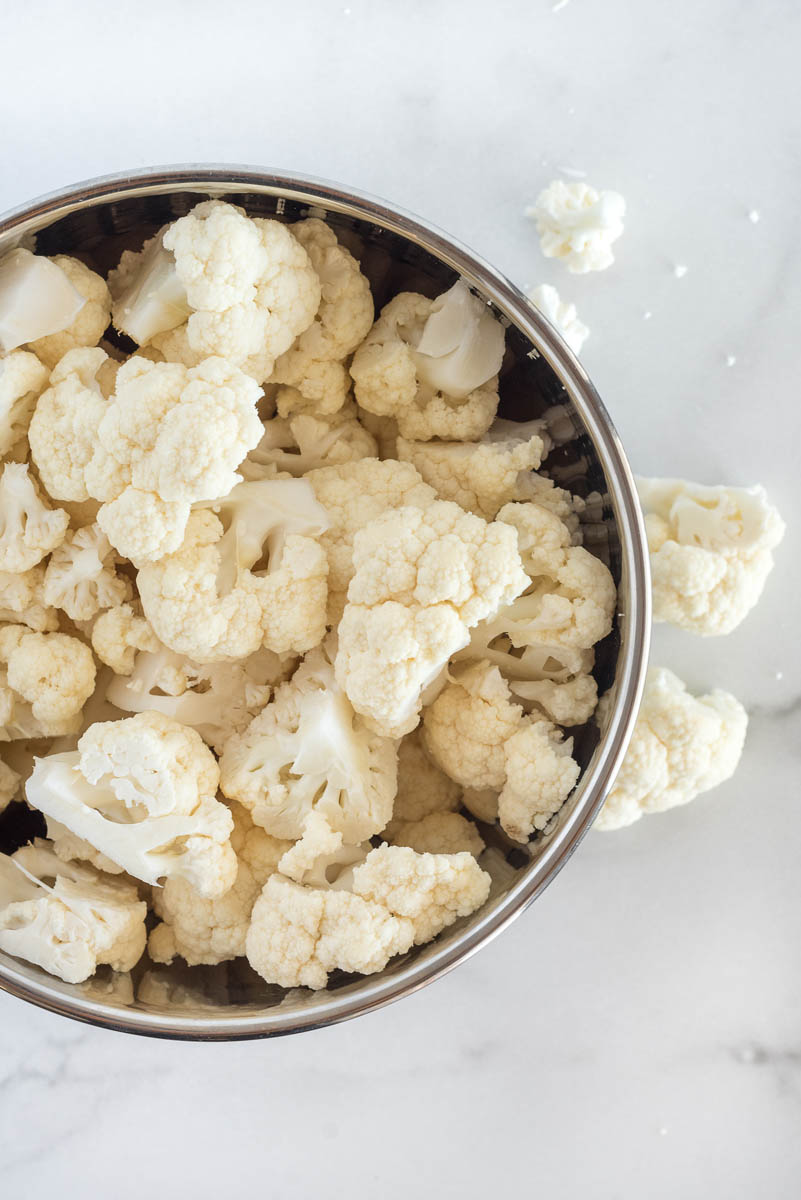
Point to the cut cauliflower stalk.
(578, 224)
(92, 318)
(68, 919)
(682, 745)
(37, 299)
(141, 791)
(711, 551)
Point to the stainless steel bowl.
(97, 220)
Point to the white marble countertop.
(637, 1033)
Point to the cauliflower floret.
(682, 745)
(22, 381)
(578, 224)
(63, 429)
(352, 496)
(142, 791)
(171, 436)
(422, 787)
(711, 551)
(9, 785)
(91, 321)
(81, 578)
(211, 601)
(216, 699)
(308, 750)
(22, 600)
(422, 578)
(306, 442)
(540, 775)
(438, 833)
(149, 298)
(430, 890)
(479, 476)
(571, 702)
(213, 931)
(118, 634)
(432, 365)
(249, 283)
(320, 857)
(36, 299)
(342, 321)
(52, 672)
(467, 726)
(29, 528)
(298, 934)
(561, 314)
(68, 919)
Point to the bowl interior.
(230, 999)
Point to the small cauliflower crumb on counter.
(345, 624)
(578, 224)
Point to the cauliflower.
(578, 224)
(306, 442)
(432, 365)
(711, 551)
(29, 528)
(561, 314)
(467, 726)
(216, 699)
(91, 320)
(422, 787)
(141, 791)
(352, 496)
(70, 848)
(313, 366)
(63, 430)
(214, 930)
(117, 636)
(149, 298)
(570, 702)
(308, 750)
(67, 919)
(299, 934)
(170, 436)
(430, 890)
(9, 785)
(249, 283)
(22, 600)
(438, 833)
(422, 578)
(320, 857)
(540, 775)
(211, 601)
(81, 578)
(479, 476)
(37, 298)
(48, 678)
(22, 380)
(682, 745)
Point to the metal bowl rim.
(377, 991)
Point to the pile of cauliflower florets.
(284, 608)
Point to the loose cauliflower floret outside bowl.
(366, 916)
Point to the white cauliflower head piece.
(423, 578)
(29, 527)
(561, 314)
(22, 380)
(249, 283)
(211, 600)
(68, 919)
(91, 320)
(22, 600)
(81, 577)
(50, 677)
(306, 442)
(142, 791)
(214, 930)
(438, 833)
(63, 429)
(309, 751)
(467, 726)
(432, 365)
(578, 224)
(540, 775)
(682, 745)
(711, 551)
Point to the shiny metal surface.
(100, 218)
